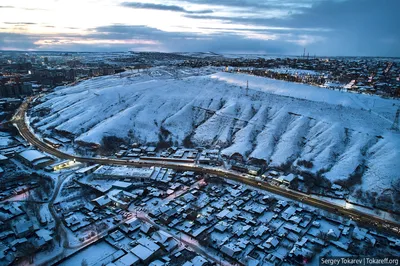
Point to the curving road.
(365, 218)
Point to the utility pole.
(395, 126)
(247, 88)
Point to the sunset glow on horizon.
(227, 26)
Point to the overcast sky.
(323, 27)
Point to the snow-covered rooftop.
(32, 155)
(124, 171)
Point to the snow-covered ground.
(91, 255)
(277, 120)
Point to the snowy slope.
(324, 143)
(277, 121)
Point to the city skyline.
(331, 27)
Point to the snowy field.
(276, 120)
(96, 253)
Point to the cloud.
(35, 9)
(353, 27)
(123, 32)
(359, 27)
(20, 23)
(142, 38)
(162, 7)
(255, 4)
(323, 27)
(15, 41)
(32, 9)
(106, 38)
(229, 42)
(234, 44)
(70, 42)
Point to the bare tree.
(84, 262)
(26, 250)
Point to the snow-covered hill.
(276, 120)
